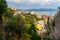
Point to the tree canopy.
(3, 6)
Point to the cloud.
(33, 3)
(13, 1)
(42, 2)
(45, 2)
(58, 0)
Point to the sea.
(50, 13)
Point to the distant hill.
(39, 10)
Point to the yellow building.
(38, 26)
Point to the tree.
(48, 25)
(14, 26)
(30, 27)
(3, 7)
(53, 22)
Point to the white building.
(41, 22)
(32, 12)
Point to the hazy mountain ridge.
(41, 10)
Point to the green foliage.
(19, 24)
(46, 39)
(12, 26)
(48, 24)
(8, 13)
(39, 19)
(30, 26)
(1, 36)
(27, 27)
(36, 38)
(32, 31)
(53, 22)
(3, 6)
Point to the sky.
(33, 4)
